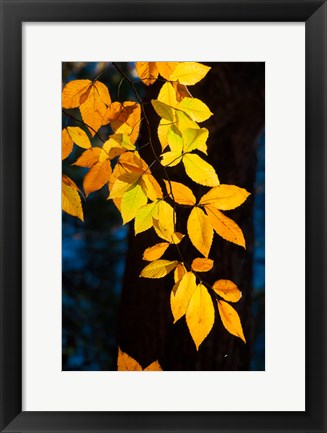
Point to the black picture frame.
(13, 14)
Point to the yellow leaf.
(132, 201)
(155, 366)
(225, 227)
(200, 231)
(202, 265)
(123, 183)
(183, 121)
(166, 218)
(200, 315)
(147, 71)
(167, 95)
(199, 170)
(166, 68)
(74, 93)
(181, 294)
(71, 201)
(195, 108)
(90, 157)
(144, 217)
(189, 73)
(79, 137)
(126, 362)
(179, 272)
(230, 319)
(163, 110)
(155, 252)
(151, 187)
(170, 159)
(227, 290)
(225, 197)
(67, 144)
(195, 139)
(158, 268)
(97, 177)
(180, 193)
(117, 144)
(175, 140)
(118, 171)
(163, 129)
(94, 108)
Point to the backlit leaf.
(163, 129)
(147, 72)
(67, 144)
(167, 95)
(180, 193)
(97, 177)
(151, 187)
(227, 290)
(230, 319)
(91, 157)
(155, 252)
(123, 183)
(126, 362)
(163, 110)
(79, 137)
(71, 201)
(144, 217)
(195, 108)
(94, 108)
(179, 272)
(225, 197)
(189, 73)
(200, 231)
(181, 294)
(202, 265)
(225, 227)
(195, 139)
(166, 68)
(155, 366)
(181, 91)
(75, 92)
(125, 118)
(132, 201)
(199, 170)
(200, 315)
(158, 268)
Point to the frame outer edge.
(10, 213)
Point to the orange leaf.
(166, 68)
(67, 144)
(151, 187)
(97, 177)
(71, 201)
(155, 366)
(126, 362)
(91, 157)
(180, 193)
(225, 227)
(181, 91)
(227, 290)
(147, 71)
(200, 231)
(200, 315)
(202, 265)
(155, 252)
(179, 272)
(230, 319)
(94, 108)
(75, 92)
(225, 197)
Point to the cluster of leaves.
(139, 196)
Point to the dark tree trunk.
(235, 93)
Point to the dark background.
(105, 304)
